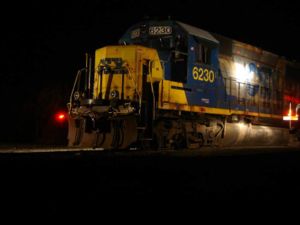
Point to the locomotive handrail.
(152, 89)
(135, 86)
(162, 63)
(180, 52)
(73, 89)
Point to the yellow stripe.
(173, 92)
(217, 111)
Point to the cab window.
(202, 53)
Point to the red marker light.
(60, 117)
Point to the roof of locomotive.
(230, 46)
(195, 31)
(224, 42)
(176, 25)
(227, 46)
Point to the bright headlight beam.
(243, 73)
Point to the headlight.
(114, 94)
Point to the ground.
(72, 184)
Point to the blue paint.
(252, 89)
(205, 93)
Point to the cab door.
(179, 58)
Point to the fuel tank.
(247, 134)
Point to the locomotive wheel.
(122, 134)
(179, 141)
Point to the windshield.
(159, 42)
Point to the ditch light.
(290, 117)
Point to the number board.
(160, 30)
(204, 74)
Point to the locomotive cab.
(179, 46)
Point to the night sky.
(43, 45)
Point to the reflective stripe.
(209, 110)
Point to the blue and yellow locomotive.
(171, 85)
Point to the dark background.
(42, 45)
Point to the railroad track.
(204, 151)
